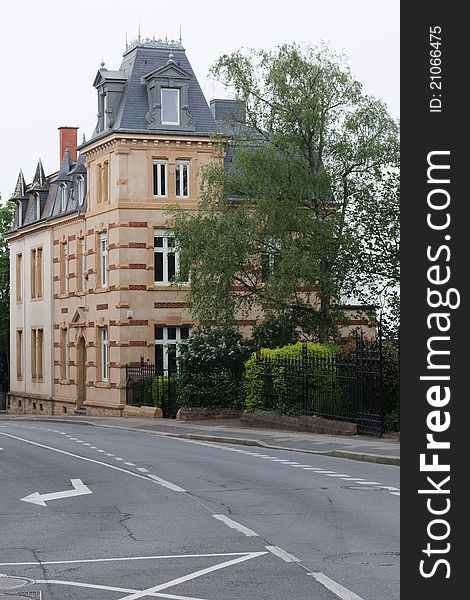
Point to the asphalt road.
(131, 515)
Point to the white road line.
(121, 558)
(142, 470)
(337, 475)
(235, 525)
(97, 462)
(194, 575)
(395, 493)
(86, 444)
(369, 483)
(326, 472)
(312, 469)
(334, 587)
(113, 589)
(109, 454)
(165, 483)
(93, 448)
(117, 458)
(280, 553)
(299, 466)
(101, 450)
(389, 488)
(130, 464)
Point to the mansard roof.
(142, 61)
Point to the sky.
(52, 50)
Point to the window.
(99, 183)
(20, 214)
(36, 273)
(105, 182)
(166, 349)
(37, 343)
(182, 179)
(166, 260)
(105, 111)
(81, 264)
(38, 206)
(19, 277)
(103, 353)
(64, 353)
(19, 354)
(170, 106)
(64, 268)
(63, 196)
(103, 260)
(159, 177)
(80, 190)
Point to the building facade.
(92, 252)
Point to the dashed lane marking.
(165, 483)
(336, 588)
(142, 470)
(234, 525)
(280, 553)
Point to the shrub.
(278, 384)
(211, 367)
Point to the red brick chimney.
(68, 141)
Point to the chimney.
(68, 141)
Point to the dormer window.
(20, 214)
(170, 106)
(38, 206)
(80, 190)
(63, 196)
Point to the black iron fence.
(148, 384)
(340, 387)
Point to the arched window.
(80, 190)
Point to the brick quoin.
(101, 307)
(169, 305)
(138, 224)
(137, 287)
(64, 310)
(55, 243)
(137, 266)
(137, 245)
(138, 343)
(72, 238)
(138, 322)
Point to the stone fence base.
(304, 423)
(196, 413)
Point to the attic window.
(170, 106)
(80, 190)
(38, 207)
(20, 214)
(63, 196)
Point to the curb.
(359, 456)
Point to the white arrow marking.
(79, 490)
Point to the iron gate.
(148, 384)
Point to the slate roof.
(25, 196)
(138, 62)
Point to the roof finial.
(181, 38)
(139, 33)
(84, 139)
(127, 45)
(102, 62)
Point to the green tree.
(6, 219)
(375, 215)
(272, 230)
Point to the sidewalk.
(384, 450)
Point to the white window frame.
(105, 111)
(180, 169)
(80, 190)
(20, 214)
(104, 371)
(166, 250)
(165, 342)
(66, 267)
(162, 94)
(38, 207)
(161, 193)
(103, 258)
(63, 196)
